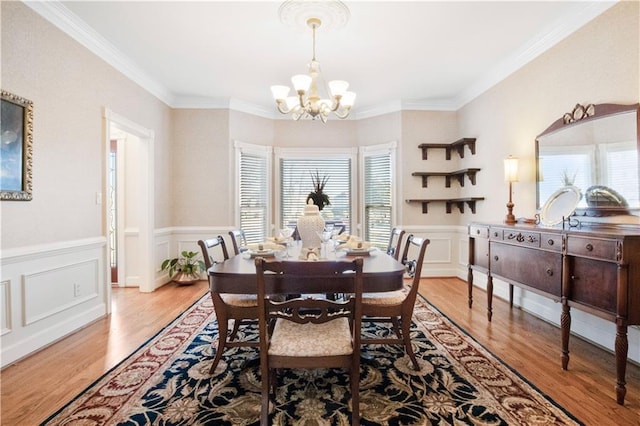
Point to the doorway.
(128, 210)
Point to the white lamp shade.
(280, 92)
(292, 101)
(511, 169)
(301, 82)
(338, 87)
(348, 99)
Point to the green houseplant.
(185, 269)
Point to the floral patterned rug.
(166, 382)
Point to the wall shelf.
(448, 147)
(458, 174)
(458, 146)
(458, 202)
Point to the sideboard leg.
(489, 297)
(622, 348)
(511, 296)
(470, 285)
(565, 323)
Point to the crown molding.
(254, 109)
(556, 32)
(199, 102)
(56, 13)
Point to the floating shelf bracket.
(458, 202)
(448, 147)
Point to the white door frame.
(146, 218)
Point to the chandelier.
(307, 101)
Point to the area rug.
(167, 382)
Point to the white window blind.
(377, 198)
(296, 184)
(254, 194)
(621, 170)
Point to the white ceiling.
(411, 55)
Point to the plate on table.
(262, 253)
(359, 251)
(560, 205)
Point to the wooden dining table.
(237, 275)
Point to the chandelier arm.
(281, 107)
(301, 99)
(344, 115)
(336, 103)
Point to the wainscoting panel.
(463, 255)
(48, 292)
(441, 258)
(76, 284)
(5, 307)
(170, 242)
(161, 252)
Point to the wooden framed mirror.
(595, 150)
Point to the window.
(295, 169)
(555, 174)
(253, 190)
(378, 193)
(620, 170)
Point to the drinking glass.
(286, 233)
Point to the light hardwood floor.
(532, 347)
(35, 387)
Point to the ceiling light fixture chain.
(308, 103)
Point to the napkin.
(310, 253)
(279, 240)
(342, 238)
(355, 243)
(265, 246)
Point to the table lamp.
(510, 175)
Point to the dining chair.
(309, 332)
(238, 239)
(395, 242)
(241, 308)
(397, 306)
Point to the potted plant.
(185, 269)
(319, 198)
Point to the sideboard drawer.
(523, 238)
(551, 242)
(478, 231)
(538, 269)
(592, 247)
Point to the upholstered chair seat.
(384, 298)
(301, 340)
(239, 299)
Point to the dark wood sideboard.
(596, 270)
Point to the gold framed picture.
(16, 148)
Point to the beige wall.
(69, 87)
(314, 134)
(428, 127)
(201, 167)
(597, 64)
